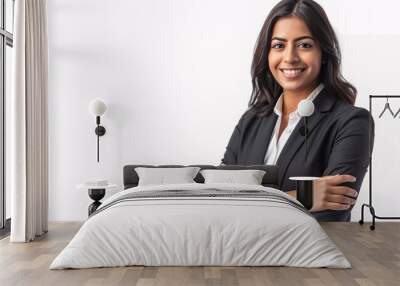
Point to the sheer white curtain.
(29, 140)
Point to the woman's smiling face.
(294, 57)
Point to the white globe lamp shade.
(97, 107)
(305, 107)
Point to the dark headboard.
(270, 178)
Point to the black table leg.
(96, 195)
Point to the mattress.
(201, 225)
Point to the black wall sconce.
(305, 108)
(97, 107)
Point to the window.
(6, 44)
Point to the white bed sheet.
(200, 231)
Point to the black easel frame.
(371, 208)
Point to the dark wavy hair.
(266, 89)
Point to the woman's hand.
(329, 196)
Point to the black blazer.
(338, 143)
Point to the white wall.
(176, 77)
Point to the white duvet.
(200, 231)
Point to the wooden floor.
(374, 255)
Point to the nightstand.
(96, 193)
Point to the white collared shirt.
(275, 146)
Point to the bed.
(201, 224)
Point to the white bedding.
(200, 231)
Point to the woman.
(297, 57)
